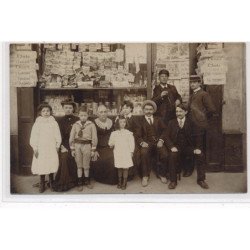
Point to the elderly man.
(166, 97)
(150, 136)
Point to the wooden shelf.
(93, 116)
(97, 88)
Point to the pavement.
(219, 183)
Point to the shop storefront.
(92, 74)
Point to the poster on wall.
(23, 68)
(212, 64)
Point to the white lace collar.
(104, 125)
(41, 119)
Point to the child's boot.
(119, 185)
(88, 183)
(124, 184)
(42, 184)
(51, 181)
(80, 184)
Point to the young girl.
(45, 140)
(123, 142)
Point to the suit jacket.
(132, 123)
(200, 108)
(195, 141)
(141, 131)
(166, 105)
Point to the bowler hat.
(151, 103)
(164, 71)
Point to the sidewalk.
(218, 183)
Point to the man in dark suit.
(184, 147)
(200, 108)
(150, 136)
(166, 97)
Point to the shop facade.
(92, 74)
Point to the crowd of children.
(169, 132)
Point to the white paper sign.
(23, 68)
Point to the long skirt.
(103, 169)
(66, 177)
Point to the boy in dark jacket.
(185, 146)
(200, 108)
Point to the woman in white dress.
(45, 140)
(122, 140)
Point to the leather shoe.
(144, 181)
(203, 184)
(172, 185)
(187, 174)
(163, 179)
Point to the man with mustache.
(150, 136)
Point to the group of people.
(168, 138)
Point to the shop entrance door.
(214, 137)
(25, 99)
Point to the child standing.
(83, 141)
(123, 142)
(45, 140)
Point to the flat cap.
(194, 78)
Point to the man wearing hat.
(166, 97)
(150, 137)
(200, 108)
(66, 177)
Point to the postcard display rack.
(94, 74)
(175, 58)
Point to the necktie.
(181, 123)
(150, 121)
(80, 132)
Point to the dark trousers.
(186, 156)
(147, 154)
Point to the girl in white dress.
(45, 141)
(122, 140)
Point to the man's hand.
(95, 156)
(73, 153)
(174, 150)
(160, 144)
(144, 145)
(36, 153)
(197, 151)
(63, 149)
(92, 153)
(164, 93)
(177, 102)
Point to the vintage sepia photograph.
(127, 118)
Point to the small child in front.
(123, 142)
(45, 141)
(83, 142)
